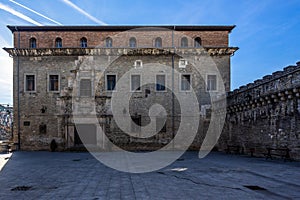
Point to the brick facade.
(145, 36)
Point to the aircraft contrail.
(83, 12)
(18, 14)
(35, 12)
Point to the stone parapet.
(265, 114)
(279, 86)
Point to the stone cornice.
(212, 51)
(122, 28)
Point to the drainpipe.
(68, 131)
(18, 91)
(173, 106)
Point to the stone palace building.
(61, 72)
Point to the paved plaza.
(47, 175)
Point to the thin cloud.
(69, 3)
(3, 42)
(35, 12)
(18, 14)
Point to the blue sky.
(267, 31)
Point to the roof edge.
(229, 28)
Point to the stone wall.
(54, 109)
(46, 115)
(265, 113)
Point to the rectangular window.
(136, 82)
(43, 128)
(53, 83)
(136, 124)
(29, 83)
(182, 63)
(26, 123)
(208, 113)
(185, 82)
(111, 82)
(138, 64)
(85, 88)
(160, 82)
(211, 82)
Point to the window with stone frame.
(53, 83)
(197, 42)
(135, 82)
(158, 42)
(182, 63)
(32, 43)
(30, 82)
(185, 82)
(211, 83)
(85, 88)
(132, 42)
(83, 42)
(58, 43)
(111, 80)
(184, 42)
(138, 64)
(160, 82)
(108, 42)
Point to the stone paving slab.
(48, 175)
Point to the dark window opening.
(32, 43)
(185, 82)
(197, 42)
(43, 128)
(108, 42)
(211, 82)
(53, 83)
(58, 43)
(147, 92)
(208, 113)
(30, 83)
(26, 123)
(111, 82)
(135, 82)
(160, 82)
(83, 42)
